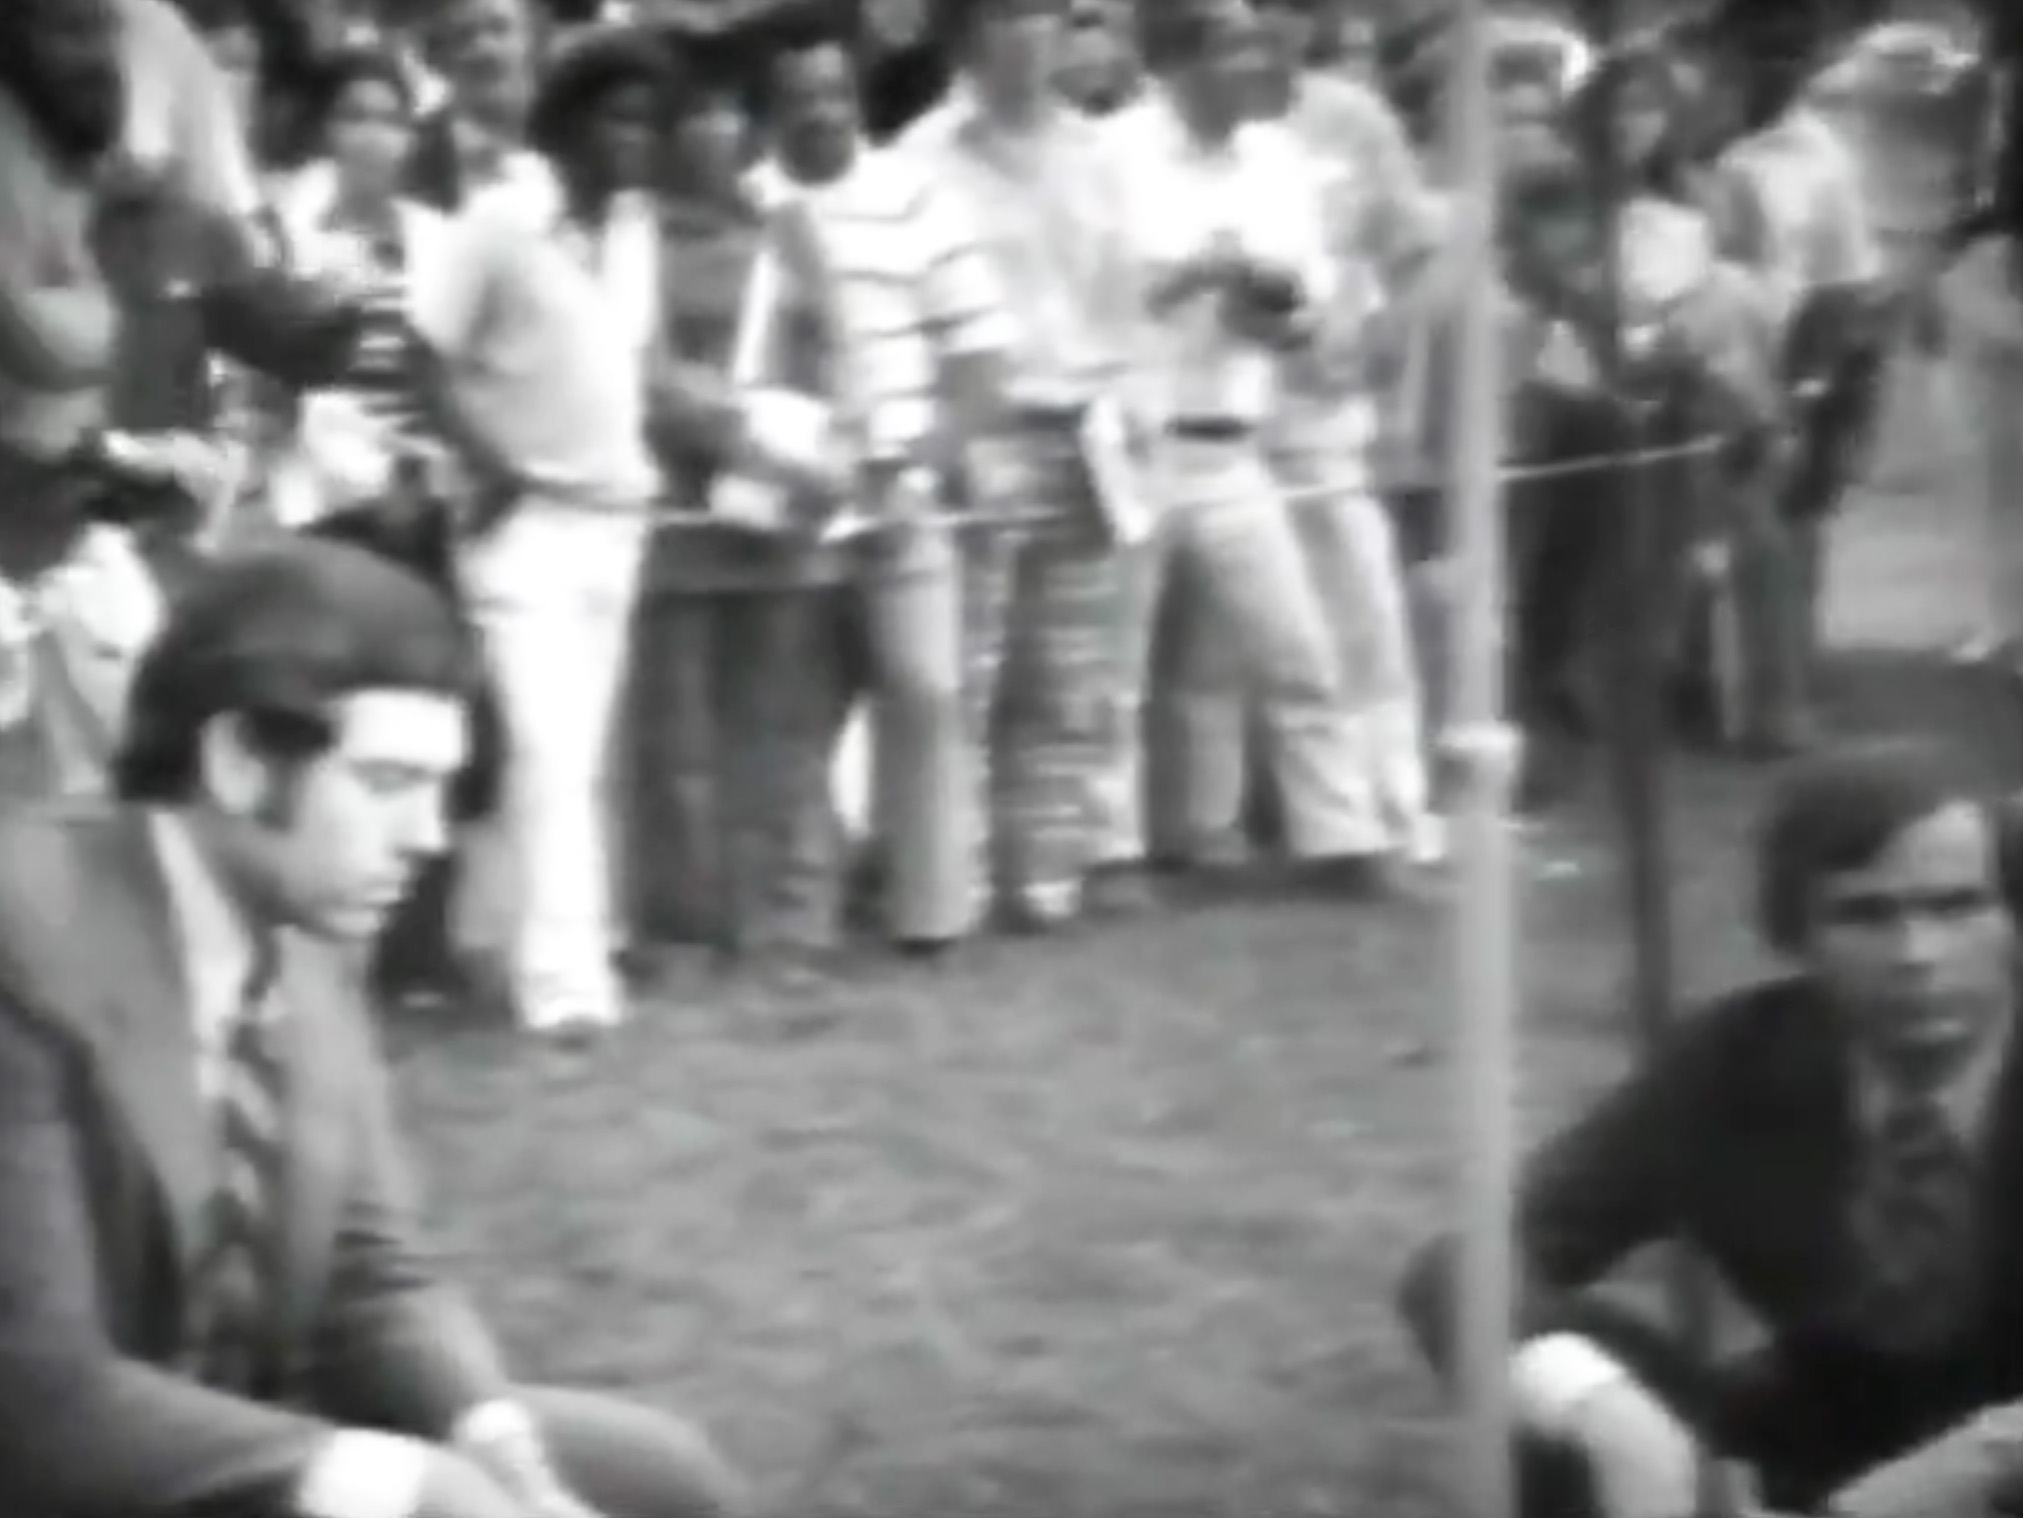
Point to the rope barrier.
(672, 519)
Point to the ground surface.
(1103, 1227)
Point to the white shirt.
(547, 327)
(1260, 192)
(180, 111)
(1807, 187)
(344, 448)
(1045, 211)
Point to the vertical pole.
(1484, 955)
(1639, 726)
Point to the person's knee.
(700, 1480)
(629, 1461)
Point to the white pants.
(1223, 521)
(1352, 549)
(552, 593)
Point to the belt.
(1063, 418)
(1210, 429)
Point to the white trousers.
(1352, 551)
(552, 592)
(1224, 523)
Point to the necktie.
(236, 1280)
(1914, 1226)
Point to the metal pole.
(1638, 727)
(1484, 952)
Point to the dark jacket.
(106, 1170)
(1739, 1140)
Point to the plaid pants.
(1040, 600)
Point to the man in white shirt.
(1233, 261)
(473, 137)
(213, 1292)
(538, 323)
(1041, 595)
(1796, 169)
(1381, 231)
(921, 336)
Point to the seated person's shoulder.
(45, 897)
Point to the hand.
(1212, 269)
(491, 502)
(516, 1459)
(459, 1488)
(1644, 1462)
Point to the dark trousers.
(1805, 1428)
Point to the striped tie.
(1915, 1226)
(236, 1279)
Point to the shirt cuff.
(499, 1421)
(1553, 1376)
(359, 1473)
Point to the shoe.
(1347, 877)
(1121, 890)
(1038, 915)
(572, 1032)
(928, 953)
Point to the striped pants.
(1040, 600)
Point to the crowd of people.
(1048, 438)
(1061, 392)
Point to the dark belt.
(1210, 429)
(1048, 418)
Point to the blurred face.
(332, 846)
(621, 135)
(709, 142)
(1916, 946)
(1527, 122)
(1016, 50)
(485, 49)
(63, 59)
(816, 112)
(370, 128)
(1224, 83)
(1288, 34)
(1094, 65)
(895, 23)
(1639, 118)
(1354, 49)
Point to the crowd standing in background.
(1089, 361)
(946, 468)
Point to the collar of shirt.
(1180, 143)
(214, 944)
(1965, 1098)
